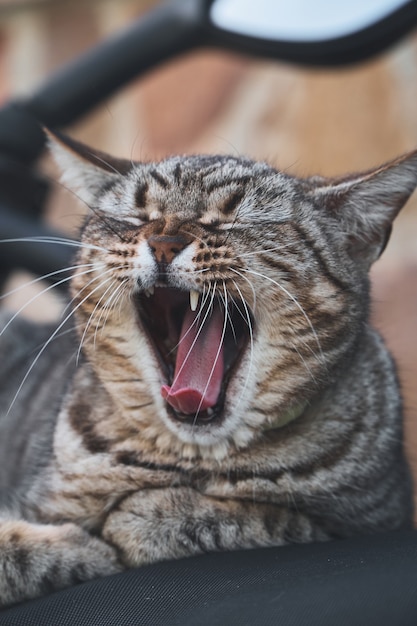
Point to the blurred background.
(302, 120)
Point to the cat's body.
(276, 422)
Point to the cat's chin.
(213, 416)
(213, 440)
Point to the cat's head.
(217, 297)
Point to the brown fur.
(303, 441)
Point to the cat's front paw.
(95, 556)
(177, 522)
(148, 526)
(37, 559)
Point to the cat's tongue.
(199, 365)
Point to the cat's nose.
(166, 247)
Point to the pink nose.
(165, 247)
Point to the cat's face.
(216, 296)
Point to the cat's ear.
(366, 204)
(84, 170)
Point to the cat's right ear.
(84, 170)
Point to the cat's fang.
(194, 296)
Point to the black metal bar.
(167, 31)
(170, 29)
(345, 50)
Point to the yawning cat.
(221, 387)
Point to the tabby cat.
(220, 388)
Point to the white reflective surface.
(299, 20)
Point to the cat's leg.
(172, 523)
(36, 559)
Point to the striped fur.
(304, 442)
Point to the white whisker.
(55, 240)
(250, 285)
(263, 251)
(80, 291)
(41, 278)
(119, 299)
(38, 295)
(46, 344)
(204, 298)
(223, 298)
(214, 364)
(110, 278)
(195, 338)
(202, 301)
(304, 362)
(195, 321)
(194, 236)
(249, 323)
(298, 305)
(111, 303)
(107, 164)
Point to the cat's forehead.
(199, 184)
(206, 169)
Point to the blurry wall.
(305, 121)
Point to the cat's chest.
(85, 488)
(96, 465)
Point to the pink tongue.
(199, 366)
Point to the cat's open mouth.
(199, 346)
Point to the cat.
(220, 388)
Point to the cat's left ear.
(366, 204)
(84, 170)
